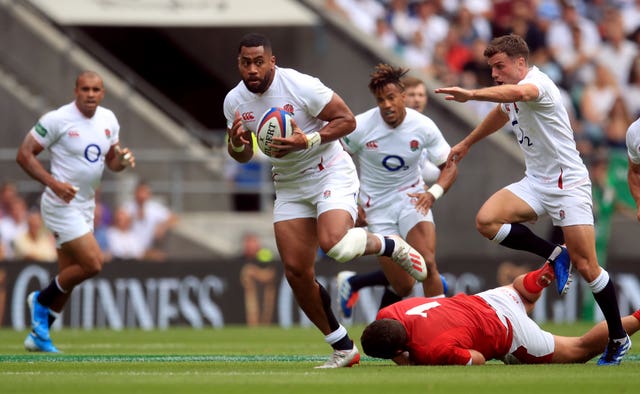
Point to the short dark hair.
(512, 45)
(385, 74)
(254, 40)
(87, 74)
(383, 338)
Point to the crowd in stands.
(134, 230)
(589, 48)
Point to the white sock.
(504, 230)
(336, 335)
(382, 244)
(58, 285)
(600, 282)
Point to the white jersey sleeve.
(436, 146)
(47, 130)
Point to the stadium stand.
(186, 171)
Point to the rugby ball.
(275, 122)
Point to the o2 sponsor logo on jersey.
(394, 163)
(92, 153)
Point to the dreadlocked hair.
(385, 74)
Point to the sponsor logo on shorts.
(41, 130)
(326, 194)
(562, 214)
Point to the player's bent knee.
(485, 227)
(352, 245)
(93, 267)
(403, 289)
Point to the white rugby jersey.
(390, 159)
(78, 147)
(298, 93)
(545, 136)
(633, 142)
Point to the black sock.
(375, 278)
(326, 305)
(49, 294)
(388, 298)
(389, 244)
(521, 238)
(52, 319)
(343, 344)
(608, 303)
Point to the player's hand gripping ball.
(275, 122)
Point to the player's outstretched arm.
(493, 122)
(498, 94)
(448, 175)
(584, 348)
(455, 93)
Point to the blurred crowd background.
(589, 48)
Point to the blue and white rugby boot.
(39, 316)
(35, 344)
(346, 296)
(615, 351)
(562, 269)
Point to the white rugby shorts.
(530, 343)
(398, 217)
(566, 207)
(66, 222)
(316, 191)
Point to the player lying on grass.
(470, 329)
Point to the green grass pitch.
(270, 360)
